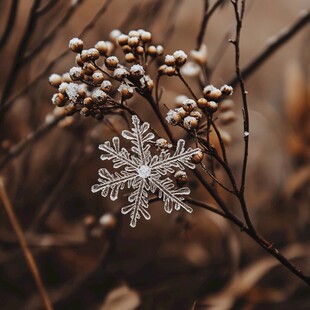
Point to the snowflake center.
(144, 171)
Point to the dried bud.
(106, 86)
(170, 71)
(137, 71)
(196, 114)
(89, 68)
(130, 57)
(160, 50)
(120, 73)
(227, 90)
(59, 99)
(66, 77)
(201, 55)
(152, 51)
(111, 62)
(191, 69)
(122, 39)
(127, 49)
(76, 73)
(146, 36)
(212, 106)
(180, 58)
(169, 60)
(181, 177)
(133, 42)
(78, 60)
(212, 93)
(197, 158)
(76, 45)
(161, 143)
(162, 69)
(202, 103)
(190, 122)
(55, 80)
(63, 87)
(126, 91)
(173, 117)
(93, 54)
(99, 96)
(85, 112)
(102, 47)
(108, 221)
(97, 77)
(84, 55)
(88, 102)
(82, 90)
(181, 111)
(140, 50)
(114, 34)
(189, 105)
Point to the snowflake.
(143, 172)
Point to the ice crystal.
(143, 172)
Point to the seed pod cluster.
(173, 63)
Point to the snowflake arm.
(112, 182)
(139, 203)
(165, 163)
(139, 138)
(172, 197)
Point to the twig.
(48, 6)
(277, 41)
(23, 243)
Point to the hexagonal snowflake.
(143, 172)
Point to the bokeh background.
(178, 261)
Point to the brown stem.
(23, 243)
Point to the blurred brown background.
(172, 261)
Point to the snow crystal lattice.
(143, 172)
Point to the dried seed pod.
(162, 69)
(202, 103)
(133, 42)
(63, 87)
(134, 33)
(196, 114)
(170, 71)
(137, 71)
(78, 60)
(212, 106)
(130, 57)
(99, 96)
(114, 34)
(160, 50)
(66, 77)
(97, 77)
(106, 86)
(173, 117)
(127, 49)
(169, 60)
(189, 105)
(82, 90)
(76, 73)
(85, 111)
(89, 68)
(84, 55)
(146, 36)
(190, 122)
(227, 90)
(197, 158)
(111, 62)
(76, 45)
(126, 91)
(161, 143)
(152, 51)
(55, 79)
(181, 177)
(59, 99)
(88, 102)
(180, 58)
(200, 56)
(140, 50)
(212, 93)
(102, 47)
(120, 73)
(93, 54)
(181, 111)
(122, 39)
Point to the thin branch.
(47, 7)
(185, 83)
(23, 243)
(274, 44)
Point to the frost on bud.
(59, 99)
(227, 90)
(122, 39)
(197, 158)
(88, 102)
(137, 71)
(84, 55)
(76, 73)
(55, 80)
(102, 47)
(161, 143)
(147, 82)
(93, 54)
(114, 34)
(99, 96)
(189, 105)
(190, 122)
(63, 87)
(134, 33)
(111, 62)
(146, 36)
(169, 60)
(181, 111)
(133, 42)
(200, 56)
(212, 93)
(106, 86)
(120, 73)
(66, 77)
(76, 45)
(130, 57)
(152, 51)
(72, 91)
(89, 68)
(97, 77)
(126, 91)
(162, 69)
(180, 58)
(196, 114)
(173, 117)
(82, 90)
(170, 71)
(160, 50)
(181, 177)
(212, 106)
(85, 111)
(191, 69)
